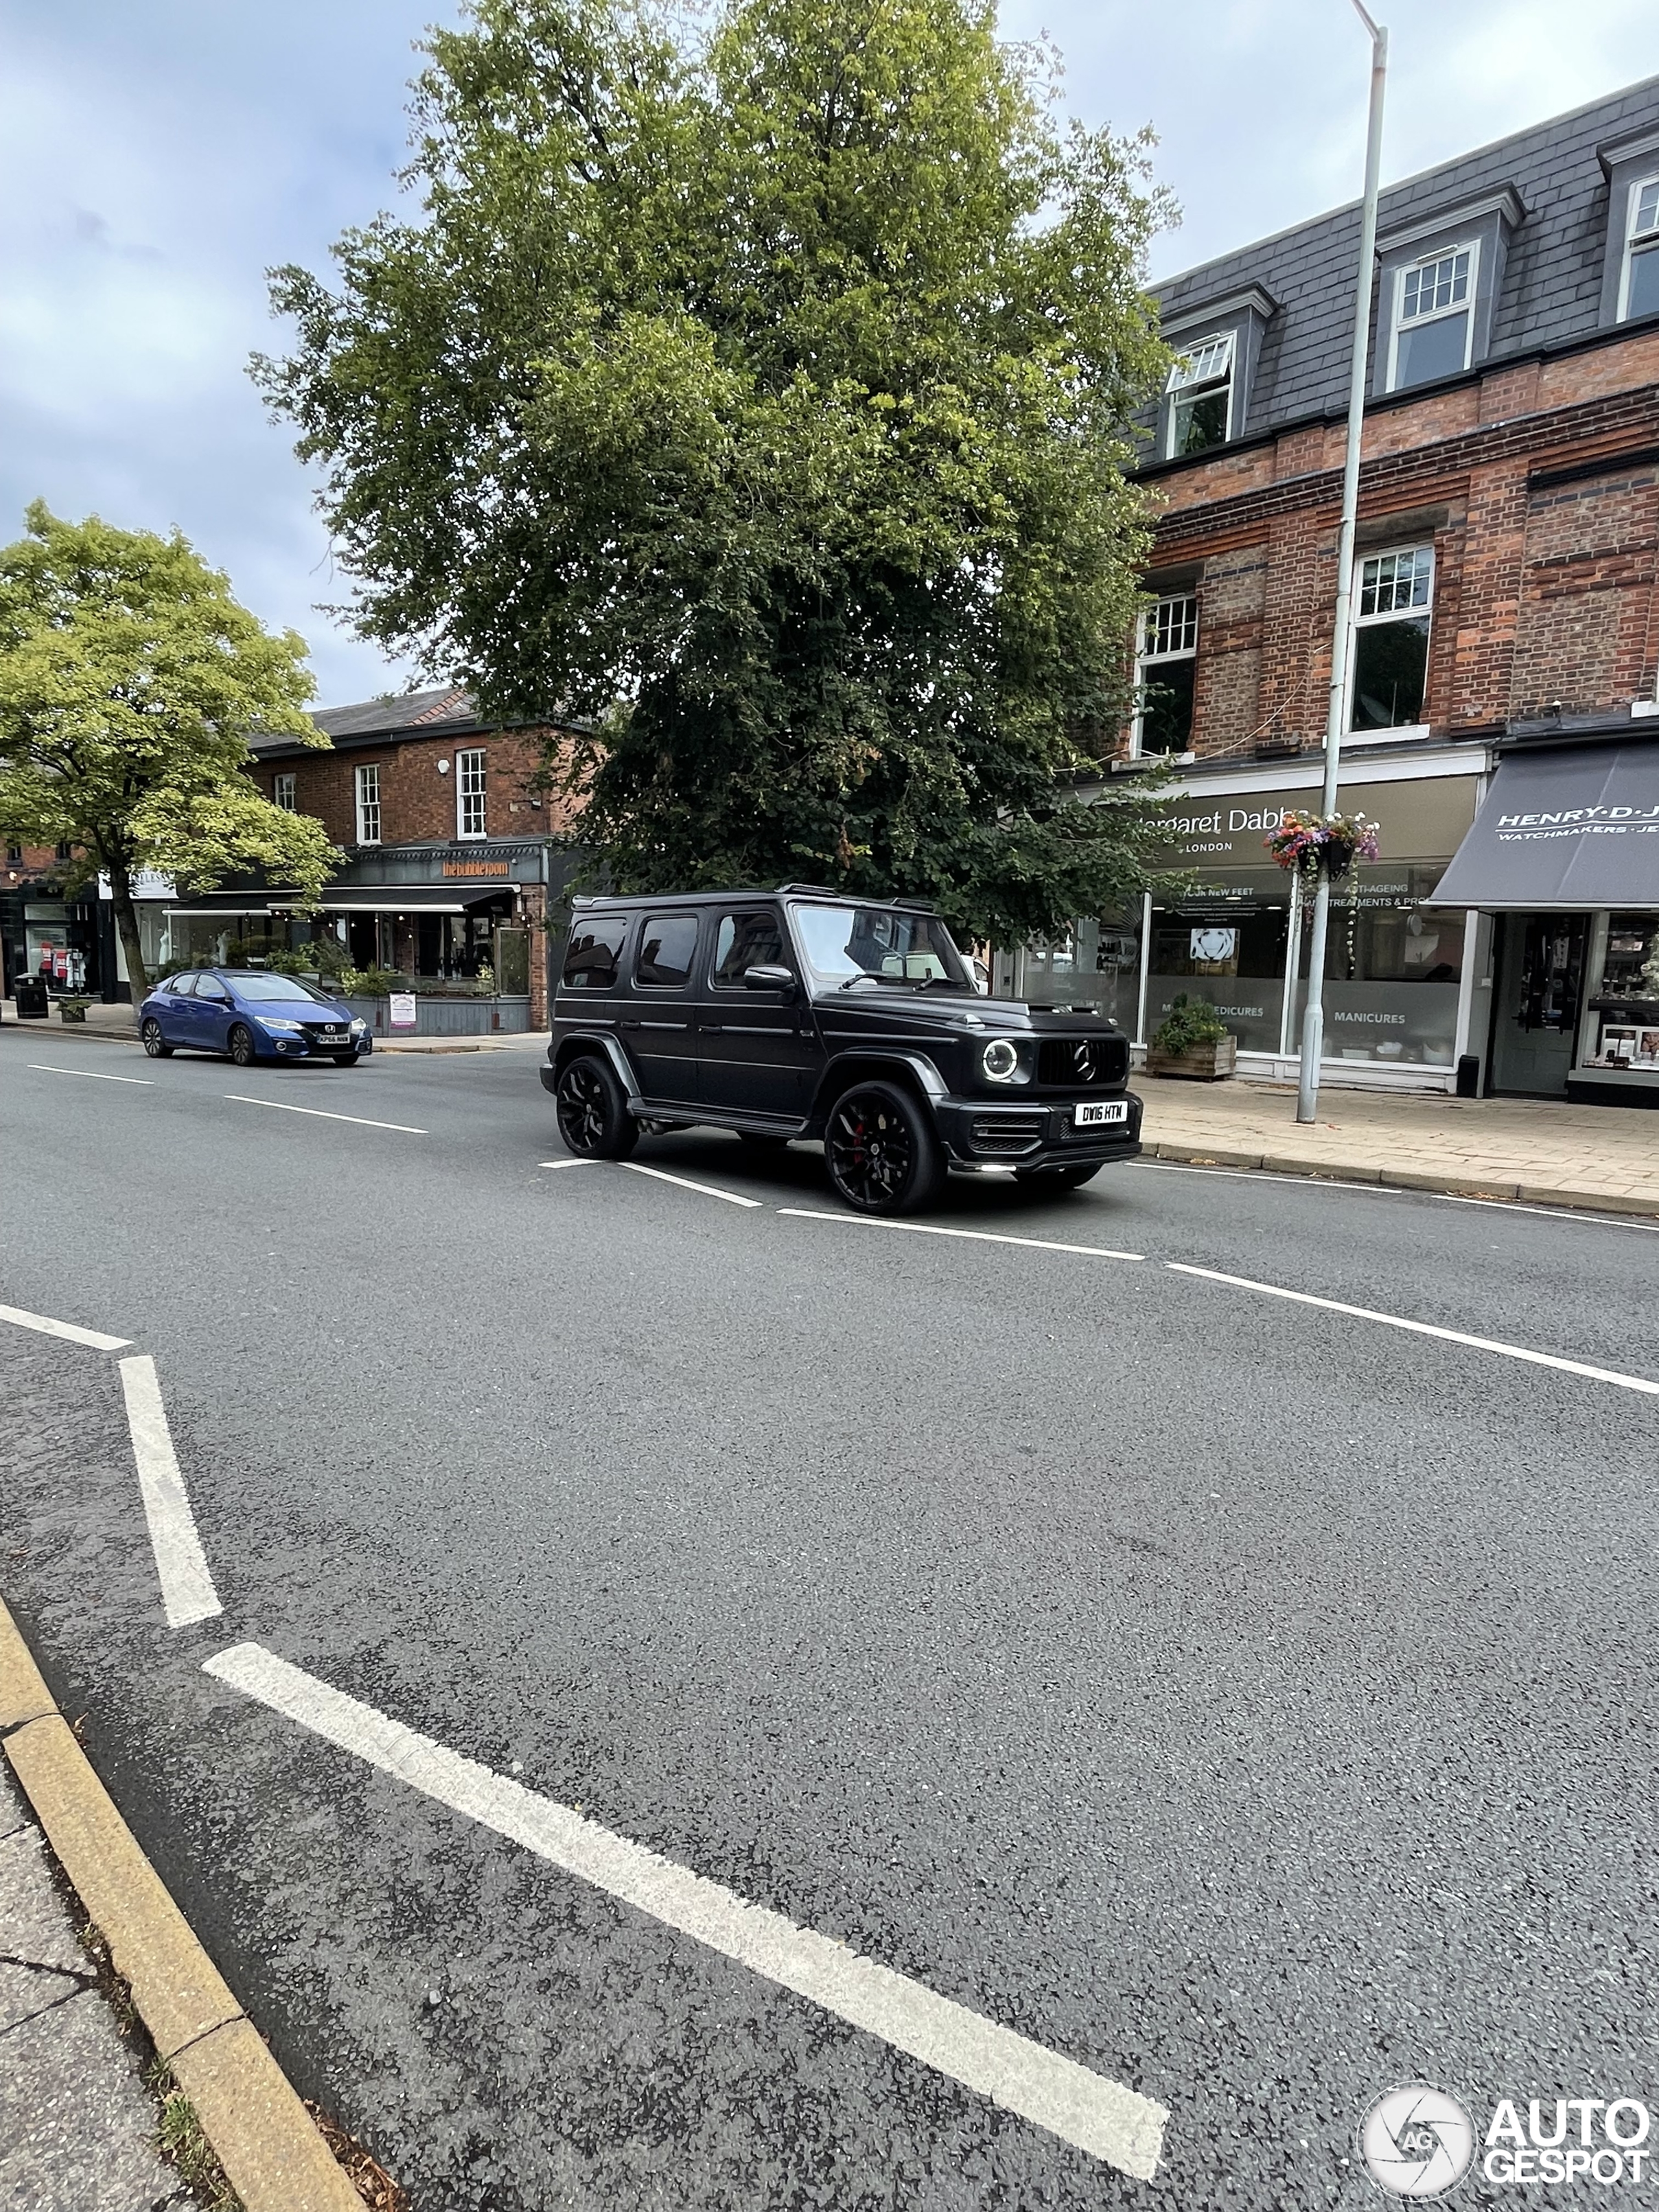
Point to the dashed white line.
(91, 1074)
(708, 1189)
(566, 1163)
(318, 1113)
(187, 1591)
(975, 1235)
(66, 1329)
(1425, 1329)
(1101, 2117)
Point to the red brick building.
(1505, 613)
(448, 868)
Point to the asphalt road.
(1249, 1701)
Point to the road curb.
(1449, 1186)
(262, 2137)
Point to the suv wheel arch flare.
(598, 1046)
(913, 1071)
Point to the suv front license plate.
(1100, 1114)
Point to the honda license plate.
(1100, 1113)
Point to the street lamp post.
(1313, 1021)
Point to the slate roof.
(1552, 286)
(415, 710)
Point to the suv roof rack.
(822, 890)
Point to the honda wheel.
(154, 1043)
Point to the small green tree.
(759, 389)
(130, 682)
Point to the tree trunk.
(126, 925)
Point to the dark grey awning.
(1575, 828)
(406, 899)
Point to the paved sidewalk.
(1534, 1150)
(77, 2126)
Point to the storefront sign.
(1420, 818)
(1574, 828)
(475, 867)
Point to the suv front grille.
(1093, 1063)
(1006, 1133)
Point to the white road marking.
(66, 1329)
(1426, 1328)
(91, 1075)
(187, 1591)
(566, 1163)
(282, 1106)
(708, 1189)
(1400, 1190)
(978, 1235)
(1101, 2117)
(1548, 1213)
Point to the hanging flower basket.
(1328, 843)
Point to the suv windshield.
(276, 987)
(846, 944)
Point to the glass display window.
(1393, 968)
(1224, 942)
(1095, 965)
(1624, 999)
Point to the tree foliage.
(130, 682)
(759, 393)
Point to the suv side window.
(754, 940)
(668, 947)
(594, 949)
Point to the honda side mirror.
(770, 976)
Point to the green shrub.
(1190, 1022)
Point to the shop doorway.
(1540, 990)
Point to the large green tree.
(758, 390)
(130, 682)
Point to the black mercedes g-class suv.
(801, 1013)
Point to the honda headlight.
(286, 1029)
(1002, 1061)
(359, 1026)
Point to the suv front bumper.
(1038, 1133)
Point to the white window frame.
(1149, 655)
(1357, 622)
(1647, 239)
(472, 772)
(1398, 321)
(282, 791)
(367, 786)
(1190, 371)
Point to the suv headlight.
(1002, 1061)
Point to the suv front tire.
(881, 1151)
(593, 1111)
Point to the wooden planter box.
(72, 1010)
(1200, 1063)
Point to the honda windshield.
(275, 987)
(844, 945)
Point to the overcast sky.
(157, 155)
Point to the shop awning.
(1573, 827)
(401, 898)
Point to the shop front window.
(1095, 966)
(1625, 1001)
(1225, 943)
(1393, 968)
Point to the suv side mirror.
(771, 976)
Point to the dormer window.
(1639, 292)
(1200, 397)
(1434, 317)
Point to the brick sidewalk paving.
(1534, 1150)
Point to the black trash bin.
(30, 995)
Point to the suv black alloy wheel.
(592, 1112)
(882, 1155)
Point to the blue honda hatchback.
(251, 1014)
